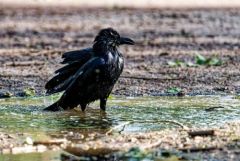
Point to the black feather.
(72, 66)
(53, 107)
(89, 74)
(58, 80)
(75, 60)
(60, 87)
(77, 55)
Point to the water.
(46, 156)
(144, 113)
(25, 115)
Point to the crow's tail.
(53, 107)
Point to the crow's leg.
(103, 102)
(83, 106)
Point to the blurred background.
(127, 3)
(185, 45)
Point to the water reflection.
(26, 115)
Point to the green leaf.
(176, 63)
(201, 60)
(29, 92)
(214, 62)
(180, 63)
(174, 90)
(110, 97)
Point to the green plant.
(199, 60)
(29, 92)
(212, 61)
(174, 90)
(110, 97)
(177, 63)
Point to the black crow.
(89, 74)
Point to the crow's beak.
(125, 40)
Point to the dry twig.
(201, 133)
(150, 78)
(146, 121)
(198, 149)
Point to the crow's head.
(109, 39)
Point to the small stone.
(29, 141)
(41, 148)
(70, 133)
(5, 94)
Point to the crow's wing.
(77, 55)
(74, 60)
(84, 77)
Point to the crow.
(89, 74)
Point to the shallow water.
(144, 113)
(46, 156)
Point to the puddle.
(46, 156)
(26, 115)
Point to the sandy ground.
(33, 39)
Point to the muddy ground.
(33, 39)
(215, 144)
